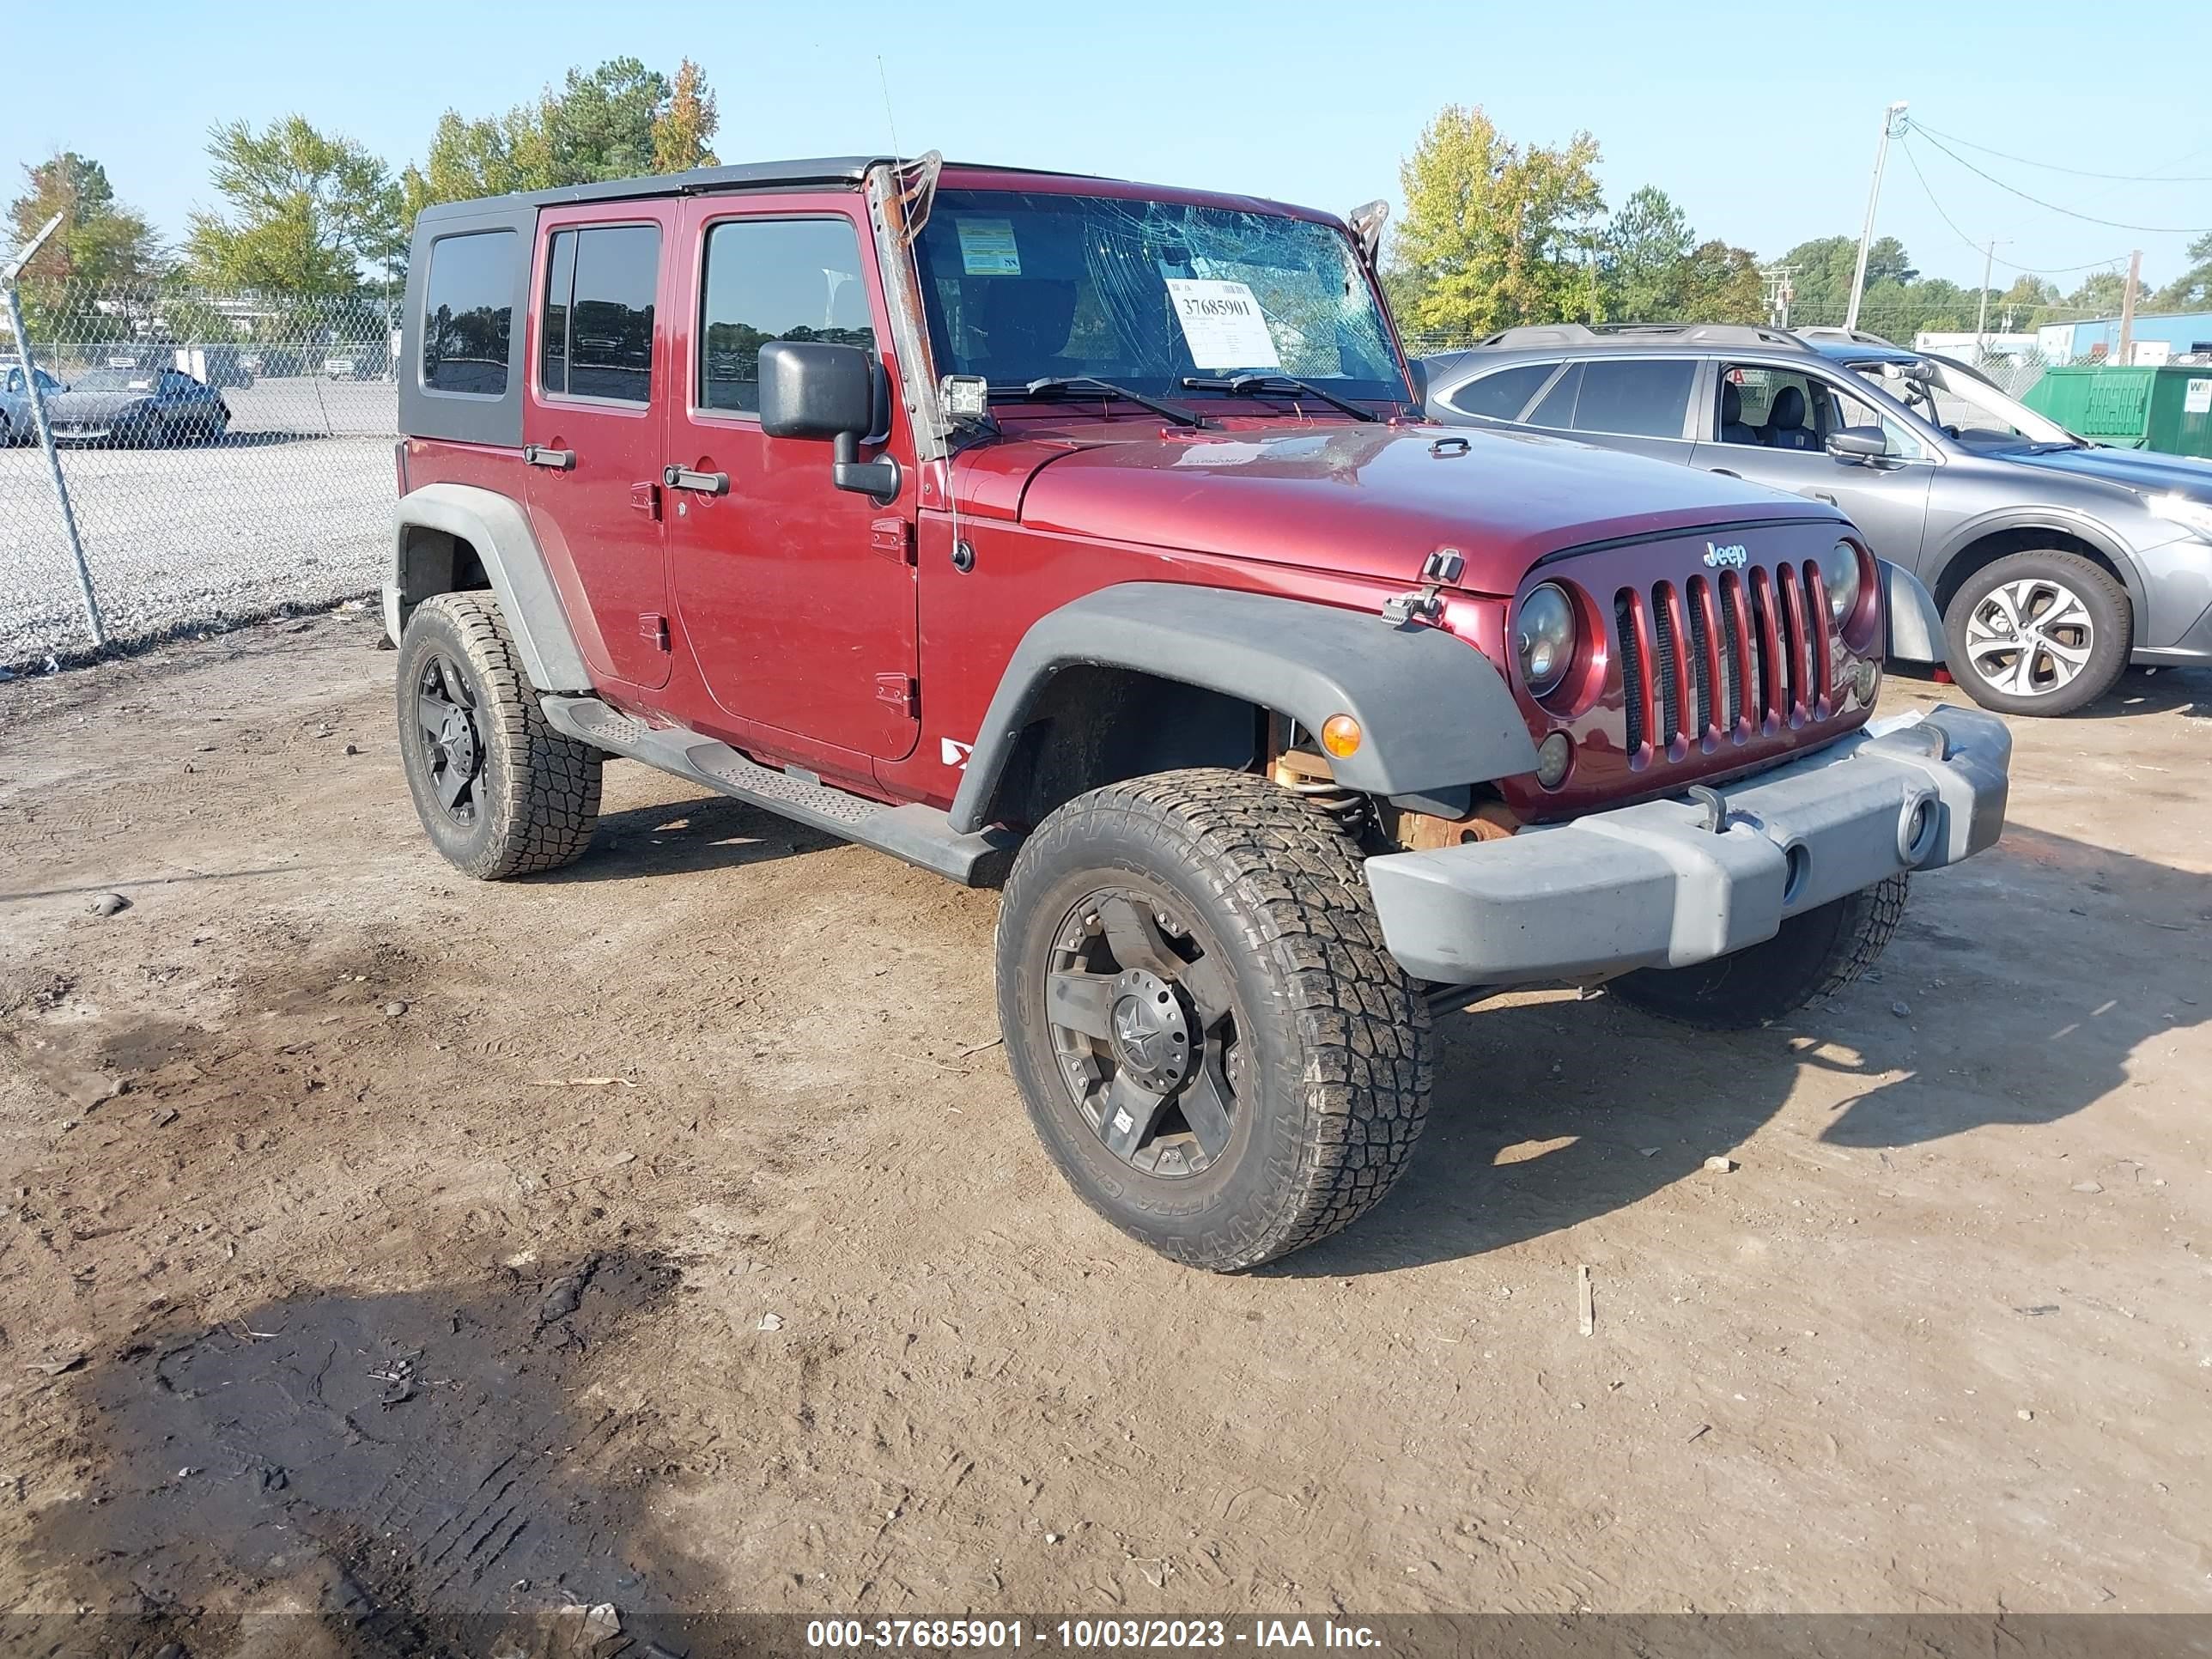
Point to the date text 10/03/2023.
(1011, 1635)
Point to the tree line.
(1495, 233)
(1498, 233)
(307, 211)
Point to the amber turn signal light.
(1340, 735)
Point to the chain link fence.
(223, 457)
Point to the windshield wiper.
(1054, 386)
(1239, 386)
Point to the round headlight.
(1842, 581)
(1544, 638)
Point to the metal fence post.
(7, 278)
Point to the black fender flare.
(499, 531)
(1435, 712)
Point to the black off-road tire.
(1335, 1054)
(1814, 954)
(536, 790)
(2111, 622)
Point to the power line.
(2087, 218)
(2078, 173)
(2009, 264)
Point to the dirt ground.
(667, 1232)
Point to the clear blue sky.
(1759, 120)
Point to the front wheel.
(1815, 954)
(2042, 633)
(1213, 1043)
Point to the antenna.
(890, 119)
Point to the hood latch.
(1425, 603)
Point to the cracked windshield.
(1148, 295)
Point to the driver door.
(1886, 498)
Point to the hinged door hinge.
(645, 498)
(1423, 605)
(653, 627)
(893, 538)
(901, 691)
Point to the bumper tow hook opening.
(1797, 865)
(1918, 823)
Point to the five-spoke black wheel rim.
(1143, 1028)
(446, 726)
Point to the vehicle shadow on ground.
(2168, 691)
(2140, 691)
(2019, 1011)
(710, 833)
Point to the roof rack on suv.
(1627, 334)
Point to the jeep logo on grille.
(1731, 558)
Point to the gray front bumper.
(1658, 886)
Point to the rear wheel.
(2042, 633)
(1815, 954)
(1212, 1043)
(501, 793)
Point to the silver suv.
(2055, 561)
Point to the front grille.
(1724, 658)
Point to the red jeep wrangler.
(1083, 537)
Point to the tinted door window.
(1635, 399)
(1557, 409)
(775, 279)
(1504, 395)
(599, 286)
(468, 308)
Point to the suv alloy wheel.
(2041, 633)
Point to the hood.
(2135, 469)
(71, 408)
(1367, 500)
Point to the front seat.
(1785, 421)
(1733, 429)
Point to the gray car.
(2055, 561)
(18, 425)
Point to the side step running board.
(921, 835)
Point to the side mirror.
(811, 389)
(1855, 444)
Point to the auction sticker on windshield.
(987, 248)
(1223, 324)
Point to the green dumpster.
(2168, 409)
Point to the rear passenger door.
(1639, 404)
(599, 383)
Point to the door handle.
(706, 483)
(561, 461)
(1723, 472)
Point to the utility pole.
(1981, 322)
(1779, 293)
(2128, 307)
(1892, 121)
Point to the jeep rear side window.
(1638, 399)
(467, 312)
(1502, 395)
(775, 279)
(600, 287)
